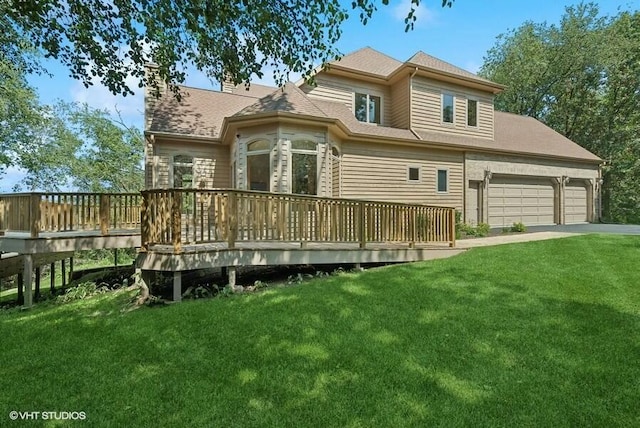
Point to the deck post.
(177, 286)
(231, 274)
(63, 266)
(104, 213)
(145, 226)
(452, 228)
(21, 288)
(70, 268)
(34, 214)
(36, 295)
(176, 221)
(28, 280)
(232, 215)
(362, 230)
(52, 273)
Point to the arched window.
(304, 167)
(258, 171)
(182, 172)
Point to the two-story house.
(372, 127)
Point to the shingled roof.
(288, 99)
(370, 61)
(202, 113)
(421, 59)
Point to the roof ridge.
(215, 91)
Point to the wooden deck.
(187, 229)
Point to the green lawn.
(539, 334)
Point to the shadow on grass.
(466, 341)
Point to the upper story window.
(367, 108)
(447, 108)
(472, 113)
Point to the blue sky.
(460, 35)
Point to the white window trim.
(477, 125)
(419, 168)
(248, 154)
(172, 165)
(291, 151)
(442, 122)
(368, 93)
(448, 181)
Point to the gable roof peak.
(288, 98)
(368, 60)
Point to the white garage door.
(575, 203)
(520, 200)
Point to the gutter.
(411, 103)
(195, 137)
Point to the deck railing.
(187, 216)
(66, 212)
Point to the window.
(447, 108)
(472, 113)
(413, 173)
(367, 108)
(258, 172)
(182, 172)
(304, 167)
(443, 181)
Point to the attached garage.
(528, 200)
(575, 203)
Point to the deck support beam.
(28, 280)
(231, 275)
(177, 286)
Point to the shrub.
(518, 227)
(482, 229)
(464, 229)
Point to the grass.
(538, 334)
(81, 263)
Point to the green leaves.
(107, 41)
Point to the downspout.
(411, 104)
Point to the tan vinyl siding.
(379, 172)
(148, 163)
(478, 163)
(211, 163)
(426, 111)
(400, 104)
(342, 89)
(330, 89)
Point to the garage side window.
(443, 181)
(413, 174)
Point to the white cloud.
(98, 96)
(424, 16)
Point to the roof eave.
(496, 88)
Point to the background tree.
(85, 149)
(582, 78)
(112, 39)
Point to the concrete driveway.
(618, 229)
(540, 233)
